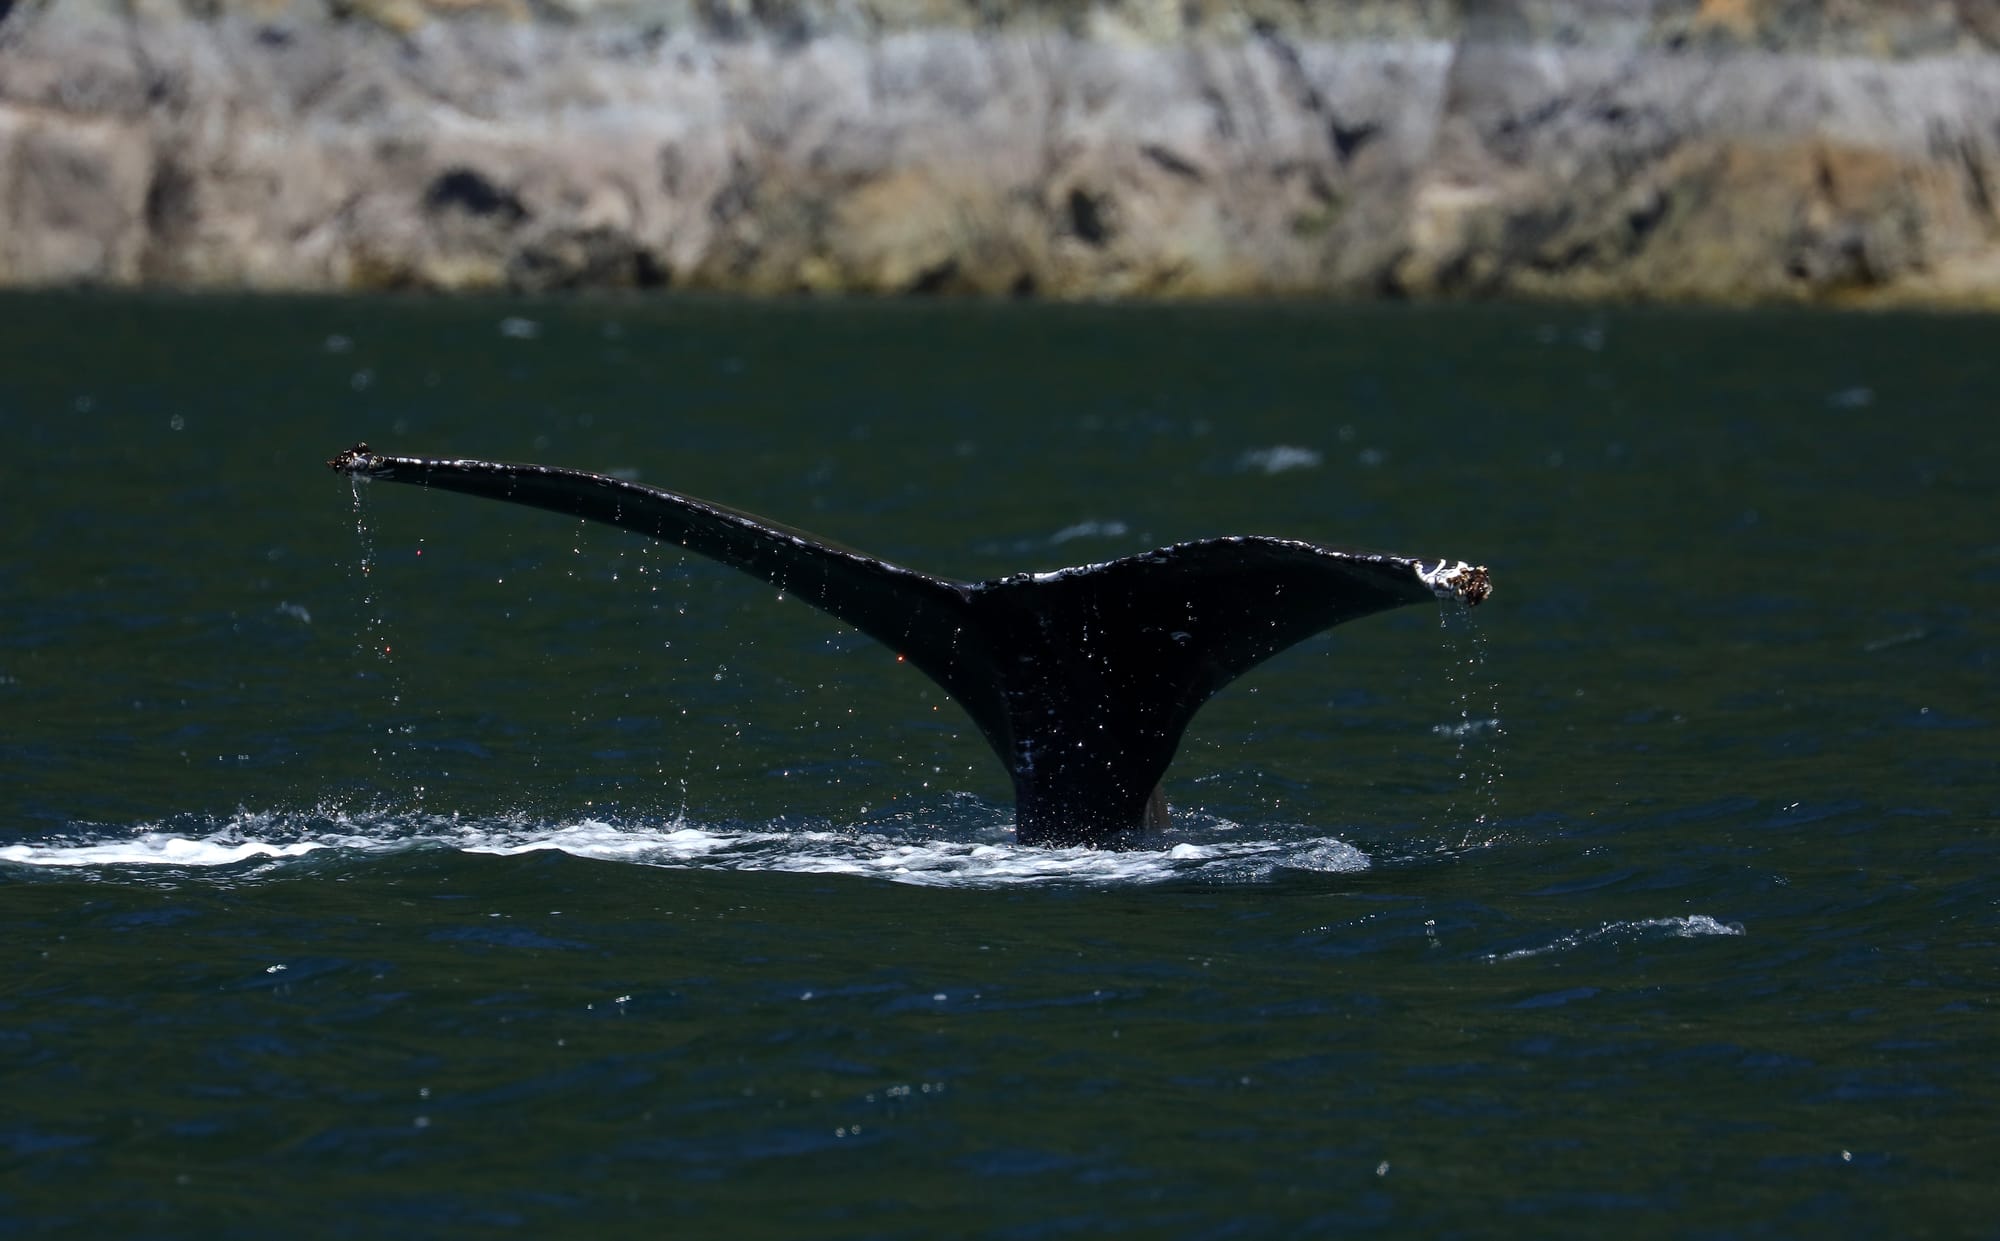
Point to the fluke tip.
(355, 460)
(1467, 583)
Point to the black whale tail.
(1082, 680)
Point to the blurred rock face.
(1726, 150)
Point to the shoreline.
(295, 153)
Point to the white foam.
(154, 849)
(594, 839)
(1687, 927)
(905, 853)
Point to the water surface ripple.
(377, 860)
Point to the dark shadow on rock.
(1349, 139)
(1170, 162)
(468, 191)
(1087, 218)
(169, 197)
(936, 278)
(595, 258)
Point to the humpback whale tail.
(1082, 680)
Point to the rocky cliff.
(1720, 150)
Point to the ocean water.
(380, 860)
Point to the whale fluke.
(1082, 679)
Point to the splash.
(905, 850)
(1688, 927)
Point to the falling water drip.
(1478, 728)
(661, 584)
(373, 641)
(361, 528)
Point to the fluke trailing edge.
(1082, 680)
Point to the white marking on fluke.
(1456, 580)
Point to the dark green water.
(619, 897)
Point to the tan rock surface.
(1715, 151)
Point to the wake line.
(277, 841)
